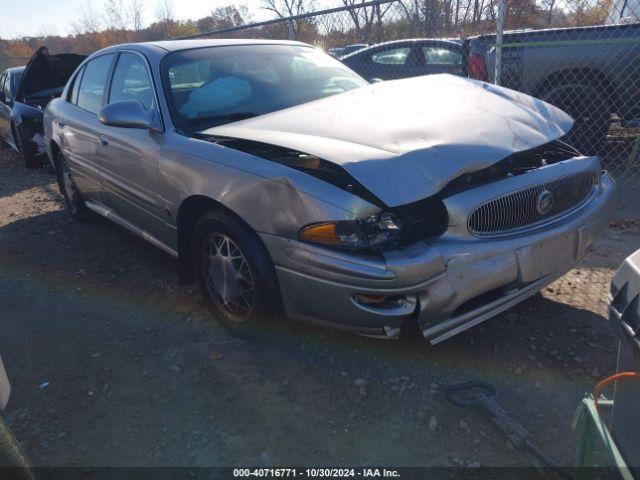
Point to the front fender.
(271, 198)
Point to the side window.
(93, 84)
(441, 56)
(396, 56)
(189, 75)
(73, 93)
(3, 78)
(6, 87)
(131, 81)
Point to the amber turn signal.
(321, 233)
(368, 299)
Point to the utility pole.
(290, 28)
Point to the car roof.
(173, 45)
(15, 70)
(456, 42)
(177, 45)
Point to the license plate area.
(547, 256)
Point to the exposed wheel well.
(14, 133)
(586, 76)
(189, 212)
(55, 149)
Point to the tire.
(12, 457)
(591, 111)
(75, 204)
(29, 157)
(234, 272)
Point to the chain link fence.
(585, 59)
(581, 55)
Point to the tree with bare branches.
(289, 8)
(115, 15)
(89, 20)
(136, 11)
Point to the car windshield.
(211, 86)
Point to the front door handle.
(103, 142)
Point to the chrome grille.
(521, 209)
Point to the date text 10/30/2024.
(315, 473)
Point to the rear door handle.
(103, 142)
(61, 124)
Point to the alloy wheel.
(228, 277)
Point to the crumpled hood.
(404, 140)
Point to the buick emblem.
(545, 202)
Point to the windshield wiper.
(229, 117)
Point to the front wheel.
(26, 150)
(73, 199)
(234, 271)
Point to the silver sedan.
(284, 182)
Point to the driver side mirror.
(126, 114)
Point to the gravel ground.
(113, 363)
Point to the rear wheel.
(72, 197)
(590, 109)
(234, 271)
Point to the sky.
(37, 17)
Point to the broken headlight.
(373, 232)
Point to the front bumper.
(448, 284)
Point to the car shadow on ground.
(97, 253)
(21, 178)
(113, 361)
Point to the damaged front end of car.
(467, 225)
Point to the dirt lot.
(113, 363)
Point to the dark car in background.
(349, 49)
(24, 92)
(408, 58)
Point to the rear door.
(441, 57)
(81, 128)
(130, 156)
(395, 61)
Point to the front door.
(130, 156)
(441, 58)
